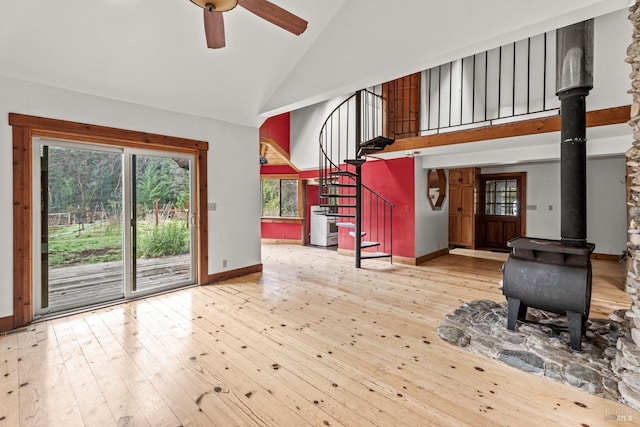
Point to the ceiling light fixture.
(214, 21)
(217, 5)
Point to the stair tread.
(336, 206)
(342, 173)
(345, 224)
(368, 244)
(339, 184)
(353, 233)
(355, 162)
(337, 195)
(382, 141)
(369, 255)
(337, 215)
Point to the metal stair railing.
(356, 119)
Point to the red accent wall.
(394, 180)
(288, 231)
(278, 129)
(310, 174)
(277, 170)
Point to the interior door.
(114, 223)
(501, 213)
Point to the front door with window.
(114, 223)
(500, 214)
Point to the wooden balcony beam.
(607, 116)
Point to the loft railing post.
(358, 207)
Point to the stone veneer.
(627, 360)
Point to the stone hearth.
(541, 345)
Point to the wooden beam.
(607, 116)
(275, 154)
(91, 133)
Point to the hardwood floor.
(310, 341)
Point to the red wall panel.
(288, 231)
(393, 180)
(278, 129)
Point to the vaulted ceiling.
(154, 52)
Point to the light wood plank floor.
(310, 341)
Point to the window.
(280, 197)
(501, 197)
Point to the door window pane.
(501, 197)
(162, 230)
(81, 241)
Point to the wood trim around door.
(24, 129)
(522, 202)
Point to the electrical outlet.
(224, 263)
(550, 207)
(212, 206)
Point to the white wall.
(606, 201)
(306, 124)
(233, 176)
(432, 227)
(612, 35)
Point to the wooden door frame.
(24, 129)
(522, 200)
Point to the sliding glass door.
(113, 223)
(162, 232)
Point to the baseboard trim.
(606, 257)
(6, 323)
(282, 241)
(432, 255)
(232, 274)
(403, 260)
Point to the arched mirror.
(436, 188)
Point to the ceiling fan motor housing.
(217, 5)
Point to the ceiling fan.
(214, 22)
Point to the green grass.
(94, 244)
(102, 242)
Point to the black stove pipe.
(573, 168)
(574, 80)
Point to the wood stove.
(548, 275)
(555, 275)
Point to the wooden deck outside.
(310, 341)
(71, 287)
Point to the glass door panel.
(161, 230)
(89, 254)
(81, 243)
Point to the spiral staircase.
(352, 133)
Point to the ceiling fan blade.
(214, 29)
(276, 15)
